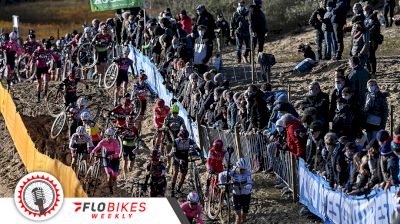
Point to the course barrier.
(30, 156)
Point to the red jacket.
(186, 23)
(293, 142)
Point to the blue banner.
(337, 207)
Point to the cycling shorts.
(158, 187)
(242, 202)
(122, 77)
(129, 152)
(41, 71)
(111, 166)
(80, 148)
(182, 166)
(102, 57)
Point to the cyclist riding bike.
(130, 142)
(91, 128)
(180, 153)
(102, 43)
(80, 143)
(12, 50)
(120, 112)
(71, 84)
(217, 157)
(192, 208)
(75, 114)
(40, 59)
(160, 112)
(111, 153)
(173, 124)
(141, 90)
(124, 63)
(156, 172)
(242, 185)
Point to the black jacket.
(258, 21)
(340, 11)
(206, 19)
(342, 123)
(314, 21)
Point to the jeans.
(319, 37)
(259, 39)
(239, 43)
(371, 65)
(388, 8)
(338, 30)
(330, 49)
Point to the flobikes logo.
(102, 210)
(38, 196)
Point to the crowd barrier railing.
(31, 157)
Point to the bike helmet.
(218, 144)
(242, 164)
(82, 102)
(13, 36)
(193, 197)
(155, 155)
(88, 29)
(81, 130)
(395, 144)
(60, 43)
(103, 26)
(183, 134)
(85, 116)
(175, 109)
(142, 76)
(110, 22)
(109, 132)
(31, 36)
(160, 103)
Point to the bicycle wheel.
(22, 67)
(55, 102)
(136, 105)
(58, 125)
(226, 214)
(3, 61)
(213, 203)
(197, 185)
(121, 153)
(95, 110)
(87, 55)
(82, 168)
(95, 177)
(111, 76)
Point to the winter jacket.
(373, 25)
(340, 11)
(336, 94)
(240, 24)
(294, 144)
(321, 103)
(314, 21)
(232, 114)
(358, 79)
(186, 23)
(389, 168)
(206, 19)
(223, 26)
(327, 22)
(360, 43)
(377, 105)
(258, 113)
(342, 123)
(258, 21)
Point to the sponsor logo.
(110, 210)
(38, 196)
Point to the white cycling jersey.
(77, 140)
(242, 183)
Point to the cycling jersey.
(137, 87)
(93, 130)
(181, 148)
(129, 137)
(55, 55)
(124, 64)
(216, 160)
(159, 115)
(156, 169)
(110, 146)
(70, 85)
(120, 113)
(174, 124)
(80, 141)
(242, 183)
(12, 49)
(192, 213)
(31, 46)
(41, 57)
(102, 42)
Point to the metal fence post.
(238, 145)
(293, 164)
(200, 132)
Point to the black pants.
(371, 65)
(388, 8)
(259, 40)
(210, 48)
(338, 30)
(319, 38)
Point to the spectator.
(358, 79)
(373, 163)
(360, 42)
(388, 8)
(376, 109)
(329, 153)
(316, 21)
(294, 141)
(373, 25)
(343, 120)
(314, 146)
(330, 48)
(240, 31)
(338, 22)
(258, 24)
(389, 162)
(206, 20)
(185, 21)
(203, 39)
(346, 165)
(232, 112)
(340, 84)
(223, 32)
(257, 109)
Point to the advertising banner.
(104, 5)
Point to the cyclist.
(91, 127)
(80, 143)
(111, 153)
(160, 112)
(156, 172)
(242, 185)
(124, 63)
(31, 44)
(121, 111)
(95, 26)
(192, 208)
(102, 43)
(217, 156)
(87, 35)
(141, 90)
(70, 83)
(56, 55)
(12, 51)
(75, 114)
(182, 145)
(40, 59)
(173, 124)
(130, 141)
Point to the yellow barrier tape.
(30, 156)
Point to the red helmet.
(155, 155)
(183, 134)
(127, 102)
(71, 74)
(142, 76)
(160, 103)
(218, 144)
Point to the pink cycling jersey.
(124, 64)
(12, 47)
(192, 213)
(40, 57)
(31, 46)
(110, 146)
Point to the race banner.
(334, 206)
(104, 5)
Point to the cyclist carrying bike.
(180, 153)
(56, 56)
(217, 157)
(40, 59)
(102, 43)
(71, 84)
(80, 143)
(130, 142)
(160, 112)
(31, 44)
(75, 114)
(192, 208)
(12, 50)
(124, 63)
(120, 112)
(91, 128)
(156, 172)
(111, 153)
(242, 185)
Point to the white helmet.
(88, 29)
(60, 43)
(85, 115)
(193, 197)
(13, 36)
(82, 102)
(81, 130)
(242, 164)
(280, 123)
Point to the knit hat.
(382, 135)
(386, 149)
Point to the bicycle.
(92, 174)
(87, 54)
(81, 165)
(110, 78)
(194, 181)
(165, 132)
(139, 189)
(3, 61)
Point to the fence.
(30, 156)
